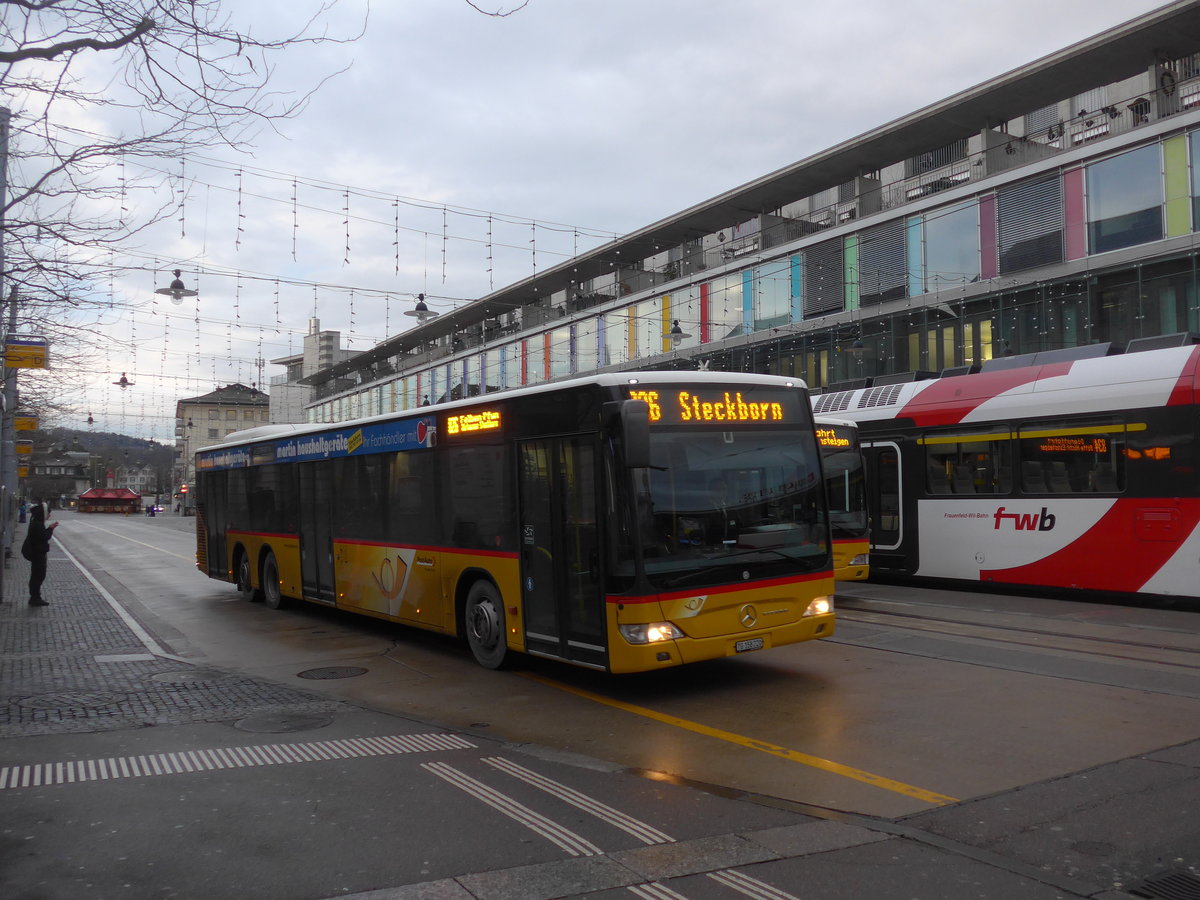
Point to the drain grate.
(1169, 886)
(333, 672)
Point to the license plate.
(752, 644)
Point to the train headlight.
(861, 560)
(819, 606)
(653, 633)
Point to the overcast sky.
(461, 152)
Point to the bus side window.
(412, 517)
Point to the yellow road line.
(795, 756)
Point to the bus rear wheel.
(272, 595)
(245, 581)
(484, 620)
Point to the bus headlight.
(819, 606)
(653, 633)
(861, 560)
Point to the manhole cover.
(333, 672)
(275, 723)
(69, 700)
(190, 676)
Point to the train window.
(969, 462)
(1075, 458)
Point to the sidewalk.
(80, 681)
(82, 664)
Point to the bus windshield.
(844, 482)
(714, 502)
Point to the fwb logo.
(1043, 521)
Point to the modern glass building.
(1055, 206)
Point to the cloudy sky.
(460, 152)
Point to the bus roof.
(605, 379)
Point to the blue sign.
(385, 437)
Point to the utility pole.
(8, 445)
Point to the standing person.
(35, 548)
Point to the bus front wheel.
(484, 620)
(272, 595)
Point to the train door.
(316, 530)
(561, 585)
(892, 549)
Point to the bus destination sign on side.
(676, 406)
(473, 422)
(832, 437)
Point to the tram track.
(1176, 650)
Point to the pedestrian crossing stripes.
(185, 761)
(567, 840)
(655, 891)
(647, 834)
(751, 887)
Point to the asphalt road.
(164, 738)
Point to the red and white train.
(1074, 469)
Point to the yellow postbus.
(578, 520)
(842, 459)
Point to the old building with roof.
(208, 419)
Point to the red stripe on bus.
(1101, 558)
(945, 401)
(1187, 388)
(722, 589)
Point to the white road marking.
(566, 839)
(183, 762)
(647, 834)
(751, 887)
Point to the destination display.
(719, 406)
(473, 422)
(832, 437)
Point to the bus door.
(561, 583)
(213, 520)
(885, 505)
(316, 530)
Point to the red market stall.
(110, 500)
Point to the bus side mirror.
(630, 420)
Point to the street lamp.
(421, 311)
(677, 334)
(176, 291)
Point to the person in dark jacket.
(35, 548)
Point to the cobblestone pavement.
(76, 666)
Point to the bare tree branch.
(499, 14)
(25, 53)
(169, 77)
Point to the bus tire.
(245, 579)
(483, 618)
(272, 595)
